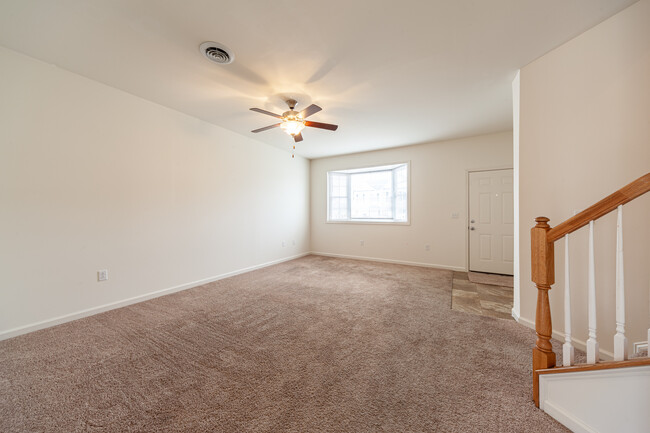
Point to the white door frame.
(467, 172)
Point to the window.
(375, 194)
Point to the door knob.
(472, 221)
(472, 228)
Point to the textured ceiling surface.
(389, 73)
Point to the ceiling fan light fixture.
(292, 126)
(293, 122)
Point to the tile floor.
(483, 299)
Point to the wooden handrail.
(627, 193)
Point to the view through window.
(368, 194)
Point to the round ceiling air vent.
(216, 52)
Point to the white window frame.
(368, 169)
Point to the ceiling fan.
(294, 122)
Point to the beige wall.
(438, 189)
(94, 178)
(585, 132)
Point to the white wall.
(438, 189)
(94, 178)
(585, 132)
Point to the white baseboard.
(605, 355)
(398, 262)
(566, 419)
(134, 300)
(515, 315)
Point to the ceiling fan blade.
(312, 109)
(259, 110)
(321, 125)
(297, 137)
(266, 127)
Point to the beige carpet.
(491, 279)
(312, 345)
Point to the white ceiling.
(390, 73)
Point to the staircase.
(588, 397)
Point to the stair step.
(608, 397)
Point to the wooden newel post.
(543, 275)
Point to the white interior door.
(491, 222)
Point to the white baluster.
(592, 343)
(620, 341)
(568, 352)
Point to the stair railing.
(543, 238)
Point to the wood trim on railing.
(639, 362)
(543, 275)
(627, 193)
(608, 365)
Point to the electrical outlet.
(454, 215)
(427, 248)
(640, 347)
(284, 244)
(361, 243)
(293, 243)
(102, 275)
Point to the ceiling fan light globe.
(292, 127)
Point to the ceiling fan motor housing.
(291, 114)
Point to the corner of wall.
(516, 84)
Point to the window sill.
(371, 222)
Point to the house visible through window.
(375, 194)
